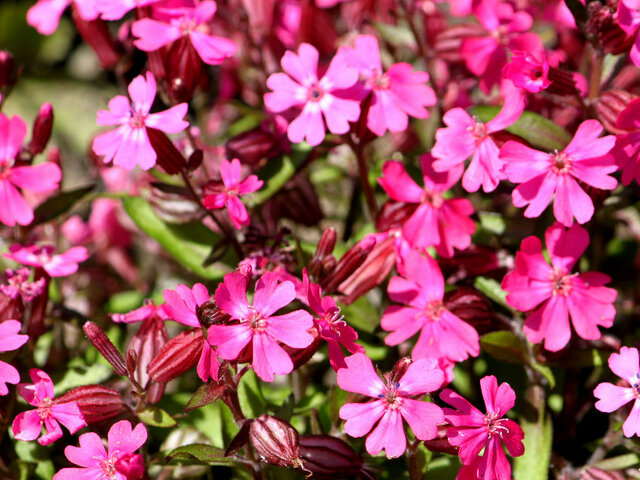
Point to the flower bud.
(275, 441)
(594, 473)
(145, 346)
(602, 23)
(562, 82)
(107, 349)
(474, 308)
(323, 261)
(252, 146)
(183, 70)
(7, 71)
(327, 457)
(177, 356)
(41, 129)
(393, 214)
(449, 43)
(209, 313)
(169, 158)
(441, 444)
(472, 262)
(609, 105)
(96, 402)
(399, 369)
(348, 264)
(131, 466)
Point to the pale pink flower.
(627, 148)
(330, 323)
(256, 324)
(421, 289)
(466, 137)
(43, 256)
(317, 98)
(394, 401)
(40, 178)
(28, 425)
(182, 306)
(396, 93)
(218, 196)
(438, 221)
(116, 9)
(10, 340)
(129, 144)
(555, 292)
(541, 174)
(611, 397)
(119, 462)
(527, 72)
(177, 22)
(45, 15)
(473, 431)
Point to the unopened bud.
(441, 444)
(107, 349)
(603, 25)
(209, 313)
(399, 369)
(131, 466)
(7, 70)
(177, 356)
(183, 70)
(348, 264)
(474, 308)
(562, 82)
(472, 262)
(323, 261)
(169, 158)
(393, 214)
(449, 42)
(195, 160)
(328, 457)
(252, 146)
(608, 107)
(275, 441)
(41, 129)
(96, 402)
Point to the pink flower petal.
(291, 328)
(14, 209)
(625, 364)
(612, 397)
(123, 440)
(272, 295)
(388, 435)
(169, 121)
(230, 339)
(231, 296)
(566, 246)
(422, 376)
(422, 417)
(212, 50)
(69, 415)
(40, 178)
(152, 34)
(360, 377)
(27, 425)
(360, 417)
(8, 374)
(269, 358)
(90, 452)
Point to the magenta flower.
(45, 15)
(627, 148)
(28, 425)
(540, 174)
(177, 22)
(442, 334)
(10, 340)
(129, 144)
(300, 88)
(393, 404)
(438, 221)
(559, 293)
(40, 178)
(629, 21)
(396, 94)
(611, 397)
(330, 323)
(257, 324)
(19, 285)
(119, 462)
(182, 306)
(42, 256)
(116, 9)
(218, 196)
(527, 72)
(466, 137)
(471, 431)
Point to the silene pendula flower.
(471, 431)
(19, 285)
(438, 221)
(527, 72)
(258, 326)
(169, 24)
(45, 15)
(40, 178)
(43, 256)
(118, 462)
(116, 9)
(28, 425)
(227, 194)
(10, 340)
(555, 293)
(541, 175)
(466, 137)
(627, 148)
(421, 291)
(331, 324)
(396, 93)
(129, 144)
(182, 306)
(395, 400)
(611, 397)
(629, 21)
(317, 98)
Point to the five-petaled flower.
(43, 256)
(10, 340)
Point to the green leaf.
(619, 463)
(55, 206)
(546, 373)
(34, 453)
(491, 288)
(492, 222)
(251, 400)
(534, 464)
(188, 243)
(361, 315)
(505, 345)
(156, 417)
(200, 453)
(79, 373)
(535, 129)
(205, 395)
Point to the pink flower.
(227, 196)
(129, 144)
(10, 340)
(28, 425)
(527, 72)
(177, 22)
(473, 430)
(627, 148)
(466, 137)
(257, 324)
(396, 94)
(421, 288)
(45, 15)
(611, 397)
(61, 265)
(40, 178)
(19, 285)
(116, 9)
(119, 462)
(317, 98)
(331, 324)
(182, 306)
(561, 294)
(540, 174)
(393, 404)
(438, 221)
(629, 21)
